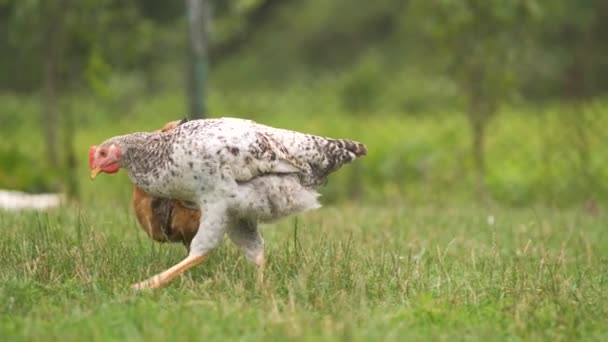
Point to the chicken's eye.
(102, 153)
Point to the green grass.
(353, 272)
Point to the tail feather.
(339, 152)
(357, 148)
(318, 156)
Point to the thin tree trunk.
(198, 22)
(478, 149)
(477, 120)
(49, 111)
(71, 162)
(49, 101)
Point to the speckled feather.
(235, 170)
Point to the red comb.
(92, 150)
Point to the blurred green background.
(459, 101)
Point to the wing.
(256, 154)
(231, 148)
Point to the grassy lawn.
(342, 273)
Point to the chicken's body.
(237, 171)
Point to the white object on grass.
(17, 200)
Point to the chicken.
(166, 220)
(238, 172)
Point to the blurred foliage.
(419, 81)
(521, 44)
(534, 155)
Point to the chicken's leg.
(214, 222)
(246, 236)
(260, 263)
(165, 277)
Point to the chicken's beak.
(95, 172)
(94, 169)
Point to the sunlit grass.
(341, 273)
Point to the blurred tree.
(67, 56)
(569, 67)
(480, 44)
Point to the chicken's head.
(105, 158)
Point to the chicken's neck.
(145, 153)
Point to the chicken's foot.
(165, 277)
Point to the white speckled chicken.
(236, 171)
